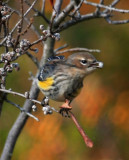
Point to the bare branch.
(58, 6)
(112, 5)
(20, 25)
(78, 50)
(38, 12)
(106, 7)
(28, 10)
(20, 94)
(77, 8)
(72, 22)
(22, 110)
(34, 59)
(43, 6)
(98, 8)
(60, 48)
(27, 21)
(64, 14)
(64, 19)
(117, 22)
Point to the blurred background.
(102, 108)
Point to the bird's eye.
(83, 61)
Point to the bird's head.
(84, 61)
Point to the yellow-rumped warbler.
(62, 79)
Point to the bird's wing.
(56, 58)
(46, 71)
(49, 68)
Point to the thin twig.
(78, 50)
(5, 34)
(26, 97)
(72, 22)
(117, 22)
(22, 109)
(33, 58)
(112, 5)
(20, 94)
(87, 140)
(98, 8)
(51, 23)
(27, 27)
(28, 10)
(20, 25)
(27, 21)
(43, 6)
(60, 48)
(38, 12)
(77, 8)
(57, 6)
(37, 41)
(64, 14)
(106, 7)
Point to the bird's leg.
(65, 108)
(66, 105)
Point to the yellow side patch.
(45, 85)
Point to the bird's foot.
(66, 105)
(64, 112)
(65, 109)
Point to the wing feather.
(48, 69)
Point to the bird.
(61, 79)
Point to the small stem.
(60, 48)
(87, 140)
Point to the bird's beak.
(99, 64)
(96, 65)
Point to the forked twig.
(22, 109)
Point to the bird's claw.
(64, 112)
